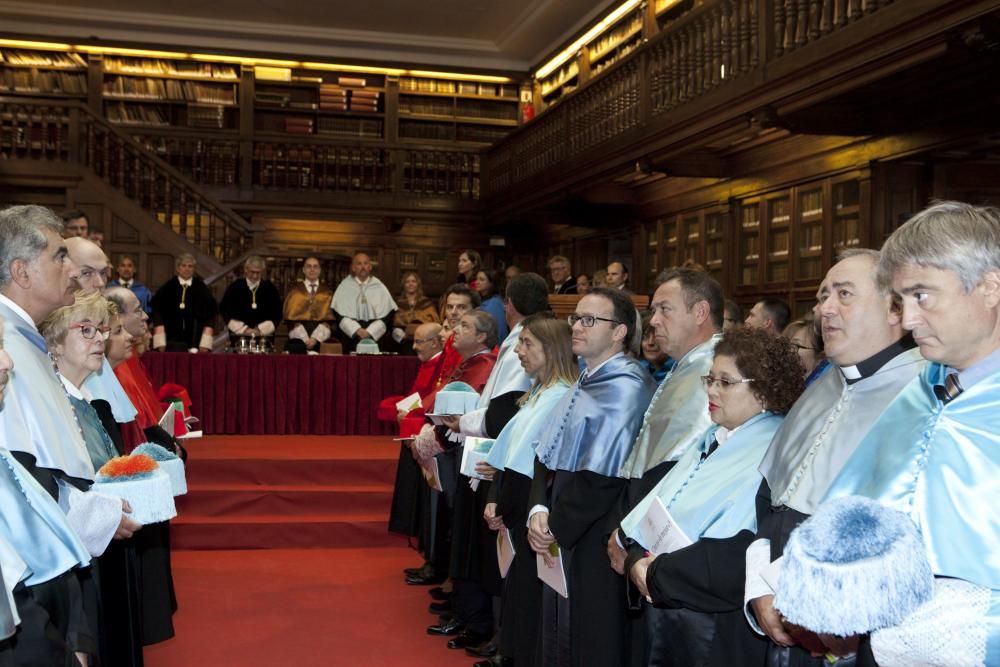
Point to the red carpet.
(279, 604)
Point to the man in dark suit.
(561, 273)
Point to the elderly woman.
(492, 302)
(412, 310)
(544, 349)
(695, 576)
(76, 336)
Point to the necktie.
(951, 389)
(312, 290)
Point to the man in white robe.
(362, 304)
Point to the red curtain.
(286, 394)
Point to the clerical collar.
(186, 283)
(434, 357)
(587, 373)
(20, 312)
(978, 371)
(253, 285)
(874, 363)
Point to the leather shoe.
(440, 607)
(468, 639)
(413, 571)
(496, 661)
(439, 593)
(485, 650)
(424, 579)
(446, 628)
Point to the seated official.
(76, 336)
(412, 310)
(183, 311)
(126, 278)
(307, 310)
(362, 304)
(710, 493)
(251, 305)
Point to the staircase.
(39, 136)
(267, 492)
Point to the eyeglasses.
(710, 381)
(424, 340)
(589, 320)
(803, 347)
(88, 331)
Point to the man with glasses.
(577, 483)
(561, 273)
(873, 361)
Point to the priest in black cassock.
(183, 311)
(362, 304)
(576, 483)
(251, 305)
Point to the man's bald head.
(361, 266)
(133, 317)
(427, 340)
(92, 262)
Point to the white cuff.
(93, 516)
(473, 423)
(535, 510)
(349, 326)
(206, 339)
(618, 540)
(376, 329)
(298, 332)
(236, 326)
(321, 332)
(266, 328)
(159, 337)
(398, 335)
(758, 557)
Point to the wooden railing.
(713, 45)
(68, 131)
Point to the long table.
(286, 394)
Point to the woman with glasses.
(77, 336)
(653, 358)
(710, 495)
(809, 343)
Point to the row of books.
(434, 131)
(41, 58)
(170, 89)
(336, 97)
(208, 116)
(332, 158)
(188, 68)
(351, 127)
(486, 109)
(415, 85)
(626, 30)
(298, 125)
(134, 114)
(42, 81)
(562, 75)
(615, 57)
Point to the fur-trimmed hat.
(854, 567)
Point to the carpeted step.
(287, 472)
(281, 531)
(217, 499)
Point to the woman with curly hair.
(412, 310)
(695, 575)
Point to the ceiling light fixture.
(577, 44)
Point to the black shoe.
(485, 650)
(469, 639)
(496, 661)
(440, 607)
(412, 571)
(439, 593)
(425, 580)
(447, 629)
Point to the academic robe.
(410, 316)
(697, 591)
(592, 431)
(818, 436)
(308, 315)
(358, 305)
(138, 385)
(117, 610)
(568, 287)
(243, 308)
(183, 326)
(513, 454)
(404, 513)
(939, 464)
(494, 306)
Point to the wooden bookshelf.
(42, 73)
(441, 110)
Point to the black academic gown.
(522, 589)
(579, 503)
(183, 325)
(238, 304)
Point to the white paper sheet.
(411, 402)
(474, 451)
(505, 551)
(660, 533)
(555, 576)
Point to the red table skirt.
(286, 394)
